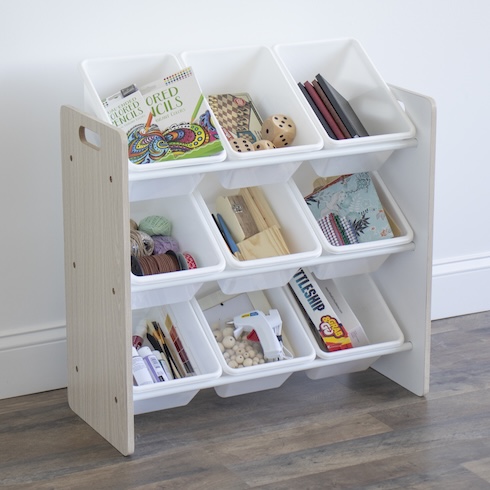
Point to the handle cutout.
(89, 137)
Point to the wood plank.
(97, 271)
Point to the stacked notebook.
(333, 110)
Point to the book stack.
(333, 110)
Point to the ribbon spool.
(155, 264)
(161, 263)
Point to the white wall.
(438, 48)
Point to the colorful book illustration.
(354, 199)
(237, 116)
(165, 120)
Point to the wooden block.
(237, 216)
(253, 209)
(263, 206)
(267, 243)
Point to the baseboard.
(460, 286)
(35, 360)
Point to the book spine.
(331, 109)
(317, 112)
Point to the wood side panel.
(96, 222)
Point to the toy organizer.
(386, 283)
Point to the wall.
(437, 48)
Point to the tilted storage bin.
(237, 381)
(346, 66)
(379, 324)
(193, 235)
(178, 392)
(263, 273)
(254, 70)
(103, 77)
(374, 252)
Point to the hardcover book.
(331, 109)
(323, 109)
(167, 119)
(317, 112)
(355, 198)
(343, 108)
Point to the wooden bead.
(228, 342)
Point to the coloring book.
(165, 120)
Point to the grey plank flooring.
(356, 431)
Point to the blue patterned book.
(355, 198)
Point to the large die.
(279, 129)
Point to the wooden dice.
(241, 145)
(279, 129)
(263, 145)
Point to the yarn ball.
(163, 243)
(155, 225)
(133, 225)
(141, 243)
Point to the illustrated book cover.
(237, 116)
(165, 120)
(355, 198)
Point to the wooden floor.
(358, 431)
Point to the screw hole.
(115, 399)
(71, 158)
(74, 265)
(110, 178)
(113, 291)
(76, 369)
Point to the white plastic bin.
(368, 305)
(263, 273)
(237, 381)
(374, 252)
(345, 64)
(178, 392)
(254, 70)
(102, 77)
(193, 235)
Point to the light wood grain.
(96, 223)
